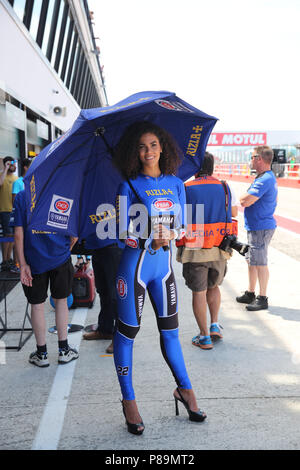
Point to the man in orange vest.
(204, 263)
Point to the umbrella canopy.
(73, 176)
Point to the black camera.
(231, 241)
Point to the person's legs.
(256, 257)
(61, 318)
(199, 309)
(7, 232)
(160, 288)
(100, 282)
(61, 279)
(36, 296)
(196, 278)
(9, 250)
(38, 323)
(263, 278)
(112, 256)
(105, 264)
(252, 278)
(5, 251)
(129, 285)
(213, 297)
(216, 273)
(259, 266)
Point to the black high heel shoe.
(193, 415)
(133, 428)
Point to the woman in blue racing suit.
(150, 208)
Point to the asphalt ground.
(248, 384)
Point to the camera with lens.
(231, 241)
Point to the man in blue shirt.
(44, 258)
(260, 203)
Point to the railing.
(281, 170)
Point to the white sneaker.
(40, 360)
(67, 355)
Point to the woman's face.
(149, 151)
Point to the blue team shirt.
(43, 250)
(260, 215)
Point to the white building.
(49, 70)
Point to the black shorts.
(4, 221)
(61, 280)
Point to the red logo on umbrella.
(167, 104)
(61, 205)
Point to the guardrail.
(281, 170)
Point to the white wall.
(26, 75)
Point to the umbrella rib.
(50, 176)
(81, 191)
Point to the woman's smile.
(149, 154)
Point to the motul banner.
(238, 138)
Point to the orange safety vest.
(210, 232)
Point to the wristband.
(148, 246)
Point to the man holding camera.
(260, 203)
(204, 263)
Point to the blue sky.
(236, 59)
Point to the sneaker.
(67, 355)
(203, 343)
(246, 298)
(215, 332)
(260, 303)
(40, 360)
(4, 266)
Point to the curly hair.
(126, 153)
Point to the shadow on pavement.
(289, 314)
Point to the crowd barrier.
(287, 175)
(283, 170)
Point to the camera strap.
(226, 189)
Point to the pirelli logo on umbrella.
(59, 213)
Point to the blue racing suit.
(142, 268)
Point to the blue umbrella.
(74, 175)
